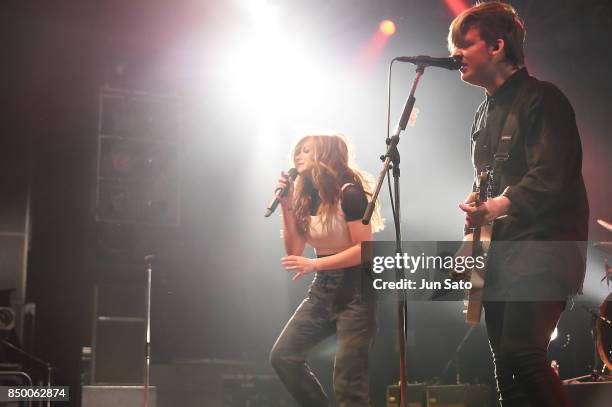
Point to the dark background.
(219, 290)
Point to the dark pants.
(342, 303)
(519, 332)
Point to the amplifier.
(460, 395)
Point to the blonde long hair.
(333, 163)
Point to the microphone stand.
(391, 160)
(148, 260)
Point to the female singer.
(323, 208)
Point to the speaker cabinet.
(138, 166)
(118, 334)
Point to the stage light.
(282, 72)
(372, 51)
(456, 6)
(387, 27)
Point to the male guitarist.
(538, 195)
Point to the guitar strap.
(504, 145)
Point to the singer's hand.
(301, 265)
(283, 181)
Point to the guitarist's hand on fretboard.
(486, 212)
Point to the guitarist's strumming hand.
(488, 211)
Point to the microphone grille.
(293, 173)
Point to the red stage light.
(387, 27)
(456, 6)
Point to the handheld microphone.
(451, 63)
(291, 175)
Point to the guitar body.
(477, 244)
(473, 304)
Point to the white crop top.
(334, 236)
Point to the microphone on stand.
(291, 175)
(451, 63)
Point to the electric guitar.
(477, 243)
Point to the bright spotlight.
(387, 27)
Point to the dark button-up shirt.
(543, 176)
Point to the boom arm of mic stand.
(392, 145)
